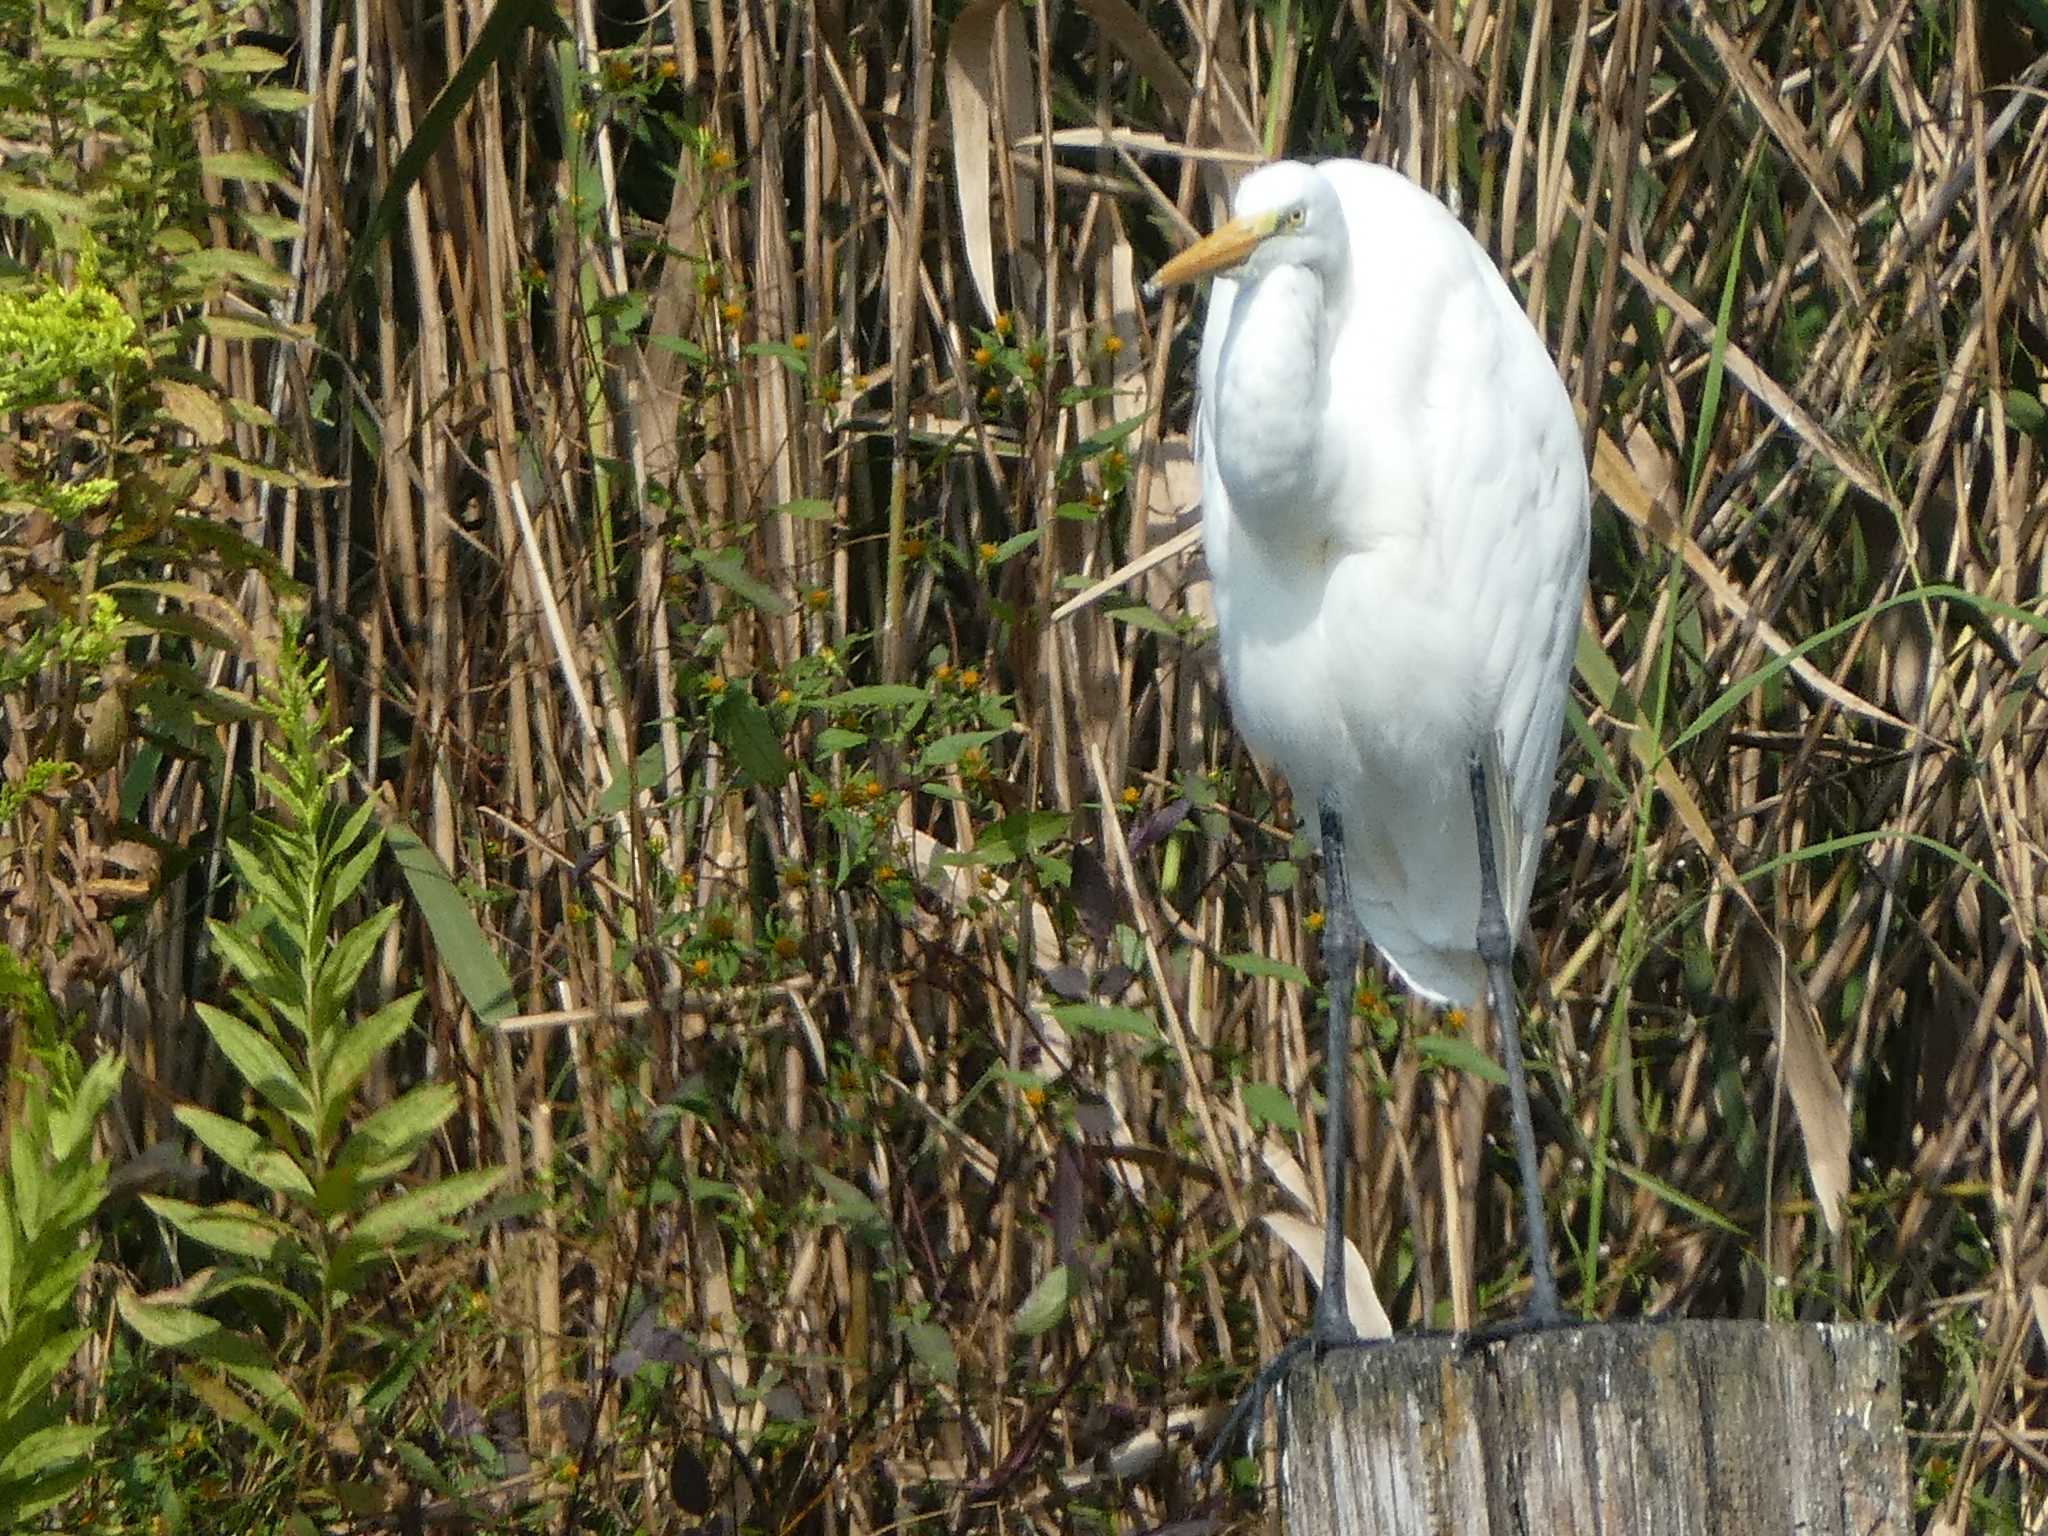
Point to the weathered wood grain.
(1649, 1429)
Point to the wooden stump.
(1635, 1429)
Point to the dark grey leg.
(1332, 1327)
(1496, 949)
(1333, 1323)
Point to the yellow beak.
(1227, 247)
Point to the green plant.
(49, 1194)
(291, 1353)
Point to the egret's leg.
(1340, 963)
(1332, 1327)
(1497, 951)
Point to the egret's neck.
(1270, 391)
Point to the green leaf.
(728, 567)
(343, 964)
(833, 739)
(1105, 1019)
(1143, 616)
(1013, 837)
(429, 1205)
(244, 1149)
(359, 1047)
(242, 165)
(72, 1122)
(933, 1347)
(387, 1142)
(1045, 1306)
(368, 842)
(230, 1227)
(228, 265)
(950, 749)
(242, 59)
(33, 1364)
(262, 1065)
(498, 39)
(797, 362)
(1717, 352)
(742, 727)
(1460, 1055)
(646, 775)
(1016, 544)
(879, 696)
(1261, 965)
(46, 1449)
(164, 1324)
(851, 1208)
(479, 974)
(1267, 1105)
(1705, 1214)
(810, 508)
(229, 1407)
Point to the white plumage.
(1394, 506)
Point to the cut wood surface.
(1642, 1429)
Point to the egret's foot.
(1535, 1320)
(1331, 1331)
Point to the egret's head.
(1286, 215)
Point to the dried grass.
(505, 583)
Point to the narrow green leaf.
(742, 727)
(810, 508)
(32, 1364)
(431, 1204)
(262, 1065)
(1143, 616)
(1105, 1019)
(344, 962)
(950, 749)
(479, 974)
(46, 1449)
(164, 1324)
(1014, 545)
(366, 841)
(230, 1227)
(228, 265)
(1045, 1306)
(360, 1046)
(850, 1207)
(728, 567)
(1261, 965)
(933, 1347)
(229, 1407)
(879, 696)
(244, 1148)
(498, 39)
(1460, 1055)
(1702, 1213)
(1717, 354)
(1268, 1105)
(72, 1122)
(241, 165)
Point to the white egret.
(1395, 512)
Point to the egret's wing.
(1463, 500)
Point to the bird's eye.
(1296, 217)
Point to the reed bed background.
(744, 511)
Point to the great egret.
(1395, 512)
